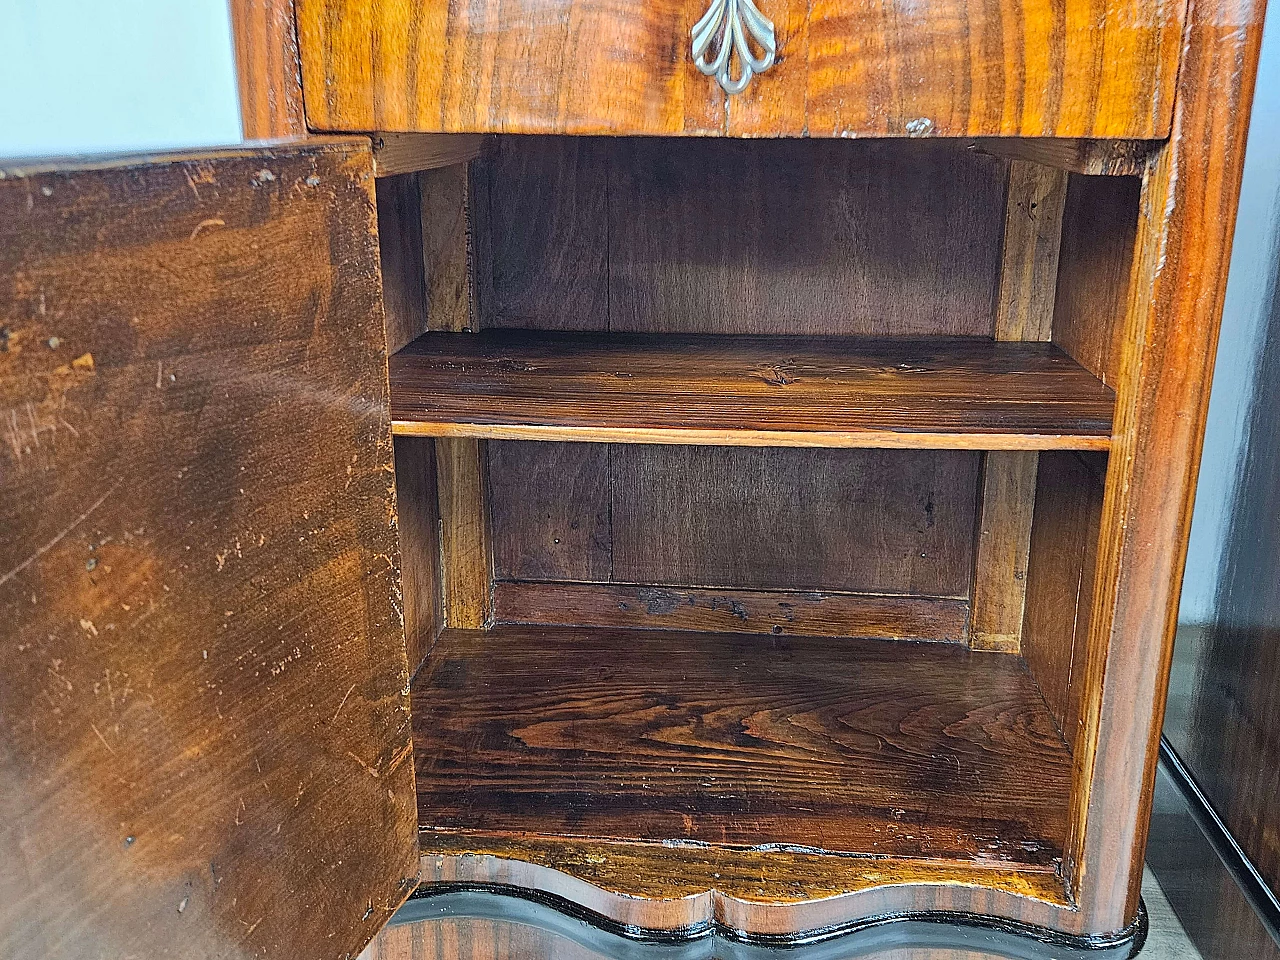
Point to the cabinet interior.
(832, 601)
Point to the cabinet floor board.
(830, 746)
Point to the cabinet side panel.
(205, 713)
(1099, 229)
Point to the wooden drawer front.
(1075, 68)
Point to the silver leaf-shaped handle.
(728, 24)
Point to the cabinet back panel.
(789, 237)
(867, 521)
(781, 236)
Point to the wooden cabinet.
(779, 534)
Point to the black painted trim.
(934, 929)
(1260, 896)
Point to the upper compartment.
(991, 68)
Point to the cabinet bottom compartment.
(664, 765)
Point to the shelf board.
(940, 393)
(836, 748)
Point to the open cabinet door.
(204, 729)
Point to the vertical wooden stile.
(1024, 311)
(465, 550)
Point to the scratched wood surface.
(846, 746)
(999, 68)
(206, 737)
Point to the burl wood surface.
(839, 746)
(994, 68)
(206, 736)
(934, 393)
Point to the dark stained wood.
(1103, 158)
(1229, 739)
(890, 522)
(674, 740)
(396, 153)
(404, 283)
(1064, 544)
(802, 237)
(550, 509)
(541, 233)
(791, 237)
(1099, 231)
(996, 68)
(446, 252)
(1187, 214)
(756, 391)
(418, 520)
(206, 735)
(777, 612)
(268, 69)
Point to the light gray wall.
(1254, 258)
(106, 76)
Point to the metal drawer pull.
(732, 21)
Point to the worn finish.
(922, 750)
(1102, 158)
(1187, 214)
(754, 391)
(466, 562)
(998, 68)
(268, 69)
(777, 612)
(206, 735)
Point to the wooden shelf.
(756, 391)
(838, 748)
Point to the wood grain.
(1099, 232)
(734, 518)
(937, 393)
(404, 283)
(396, 153)
(1187, 214)
(203, 705)
(551, 511)
(1024, 312)
(268, 69)
(1064, 546)
(867, 747)
(1100, 158)
(418, 520)
(777, 612)
(446, 247)
(823, 238)
(891, 521)
(466, 561)
(1004, 543)
(999, 69)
